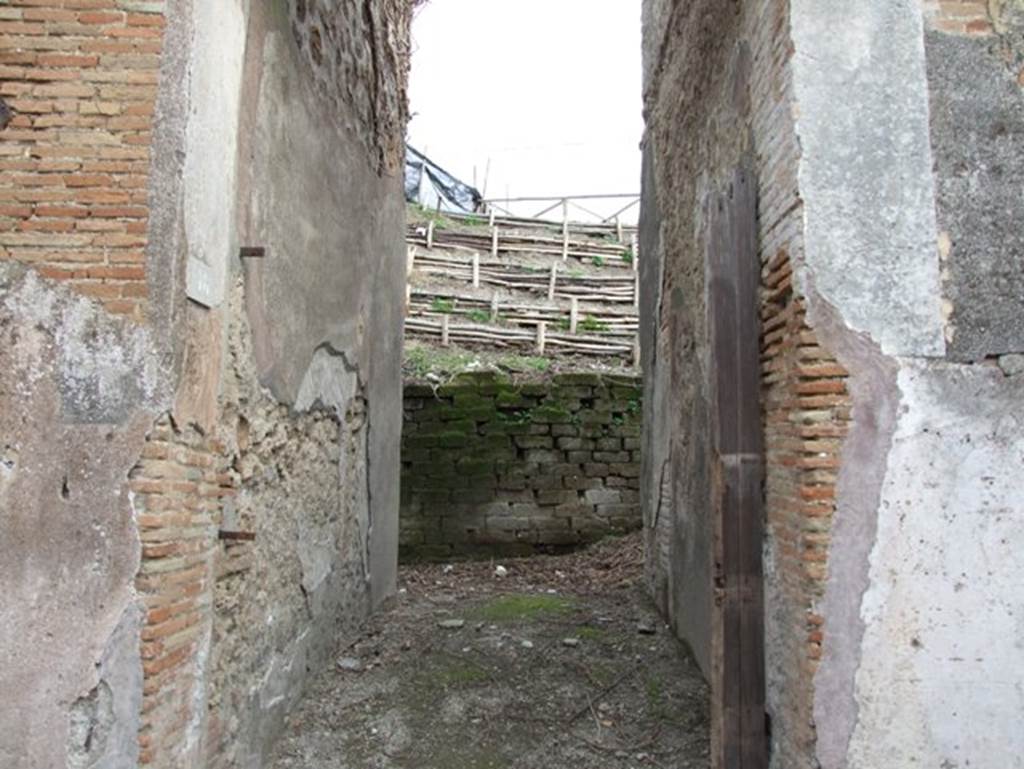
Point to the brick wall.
(959, 17)
(80, 77)
(179, 487)
(807, 412)
(491, 466)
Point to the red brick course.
(80, 77)
(807, 415)
(178, 488)
(959, 17)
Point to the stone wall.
(882, 134)
(198, 493)
(494, 467)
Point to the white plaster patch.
(212, 146)
(941, 683)
(865, 174)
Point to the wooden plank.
(738, 677)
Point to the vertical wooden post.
(565, 230)
(430, 234)
(494, 242)
(444, 329)
(490, 218)
(494, 307)
(618, 230)
(736, 503)
(408, 298)
(476, 270)
(636, 352)
(636, 290)
(410, 263)
(574, 314)
(541, 336)
(552, 280)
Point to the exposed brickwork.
(960, 17)
(488, 466)
(178, 486)
(807, 413)
(80, 77)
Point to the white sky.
(549, 90)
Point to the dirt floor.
(560, 662)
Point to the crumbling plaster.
(871, 272)
(920, 617)
(79, 390)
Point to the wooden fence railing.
(540, 340)
(595, 320)
(554, 282)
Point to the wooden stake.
(494, 242)
(636, 351)
(574, 314)
(494, 307)
(444, 330)
(490, 220)
(430, 234)
(552, 280)
(411, 260)
(565, 229)
(541, 334)
(476, 270)
(618, 229)
(636, 290)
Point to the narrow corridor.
(560, 662)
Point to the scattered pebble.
(350, 664)
(500, 571)
(447, 569)
(646, 628)
(570, 642)
(451, 624)
(527, 644)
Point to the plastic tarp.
(432, 187)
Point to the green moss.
(458, 674)
(591, 633)
(442, 305)
(518, 607)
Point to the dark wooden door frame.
(739, 739)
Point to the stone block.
(534, 441)
(602, 497)
(625, 470)
(578, 378)
(556, 497)
(612, 456)
(542, 456)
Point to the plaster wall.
(268, 402)
(882, 151)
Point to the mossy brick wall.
(489, 466)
